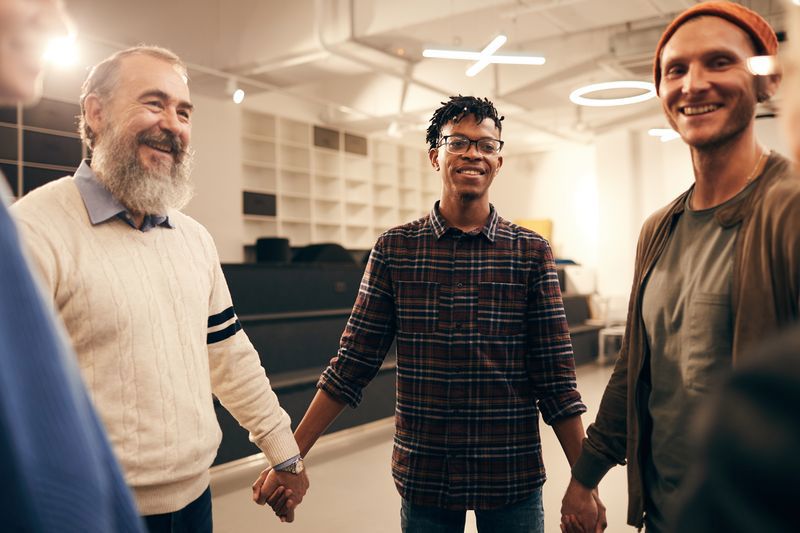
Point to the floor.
(352, 489)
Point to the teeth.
(471, 172)
(700, 109)
(159, 146)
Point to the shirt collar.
(440, 225)
(101, 204)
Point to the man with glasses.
(716, 270)
(474, 305)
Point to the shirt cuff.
(590, 469)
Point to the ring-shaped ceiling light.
(577, 96)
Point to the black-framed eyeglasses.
(459, 144)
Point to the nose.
(472, 151)
(171, 122)
(695, 80)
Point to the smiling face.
(151, 106)
(707, 93)
(25, 28)
(143, 130)
(467, 177)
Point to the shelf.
(294, 132)
(258, 218)
(295, 157)
(326, 163)
(291, 208)
(327, 232)
(295, 183)
(258, 138)
(257, 164)
(385, 152)
(258, 124)
(298, 233)
(328, 201)
(261, 178)
(293, 144)
(295, 221)
(325, 194)
(299, 195)
(258, 152)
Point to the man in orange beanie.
(716, 269)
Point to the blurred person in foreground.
(746, 472)
(716, 270)
(141, 292)
(57, 470)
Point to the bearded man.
(139, 287)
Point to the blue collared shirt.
(102, 206)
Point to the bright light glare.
(665, 134)
(577, 95)
(238, 96)
(487, 53)
(762, 65)
(62, 51)
(476, 56)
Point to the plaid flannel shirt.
(482, 347)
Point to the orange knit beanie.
(760, 32)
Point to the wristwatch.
(293, 468)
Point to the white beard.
(142, 190)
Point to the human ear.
(93, 112)
(433, 155)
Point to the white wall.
(217, 175)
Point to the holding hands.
(282, 490)
(581, 510)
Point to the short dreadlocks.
(457, 108)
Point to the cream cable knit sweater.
(151, 319)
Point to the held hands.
(283, 491)
(581, 510)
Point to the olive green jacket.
(765, 297)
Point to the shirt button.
(458, 325)
(459, 285)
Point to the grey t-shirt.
(688, 316)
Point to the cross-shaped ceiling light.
(484, 57)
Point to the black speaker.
(323, 253)
(273, 249)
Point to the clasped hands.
(581, 510)
(283, 491)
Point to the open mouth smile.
(693, 110)
(471, 172)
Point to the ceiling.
(358, 64)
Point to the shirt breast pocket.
(709, 336)
(417, 306)
(501, 308)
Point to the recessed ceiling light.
(577, 96)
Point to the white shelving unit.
(324, 194)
